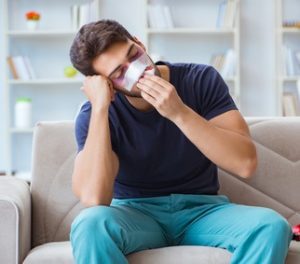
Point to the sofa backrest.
(53, 204)
(275, 183)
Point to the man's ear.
(137, 41)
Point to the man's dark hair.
(93, 39)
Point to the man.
(146, 167)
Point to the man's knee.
(98, 221)
(272, 223)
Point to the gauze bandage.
(135, 70)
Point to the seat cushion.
(181, 254)
(61, 252)
(54, 252)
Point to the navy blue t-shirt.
(156, 158)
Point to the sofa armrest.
(15, 219)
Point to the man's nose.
(126, 65)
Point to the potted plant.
(32, 20)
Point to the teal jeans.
(106, 234)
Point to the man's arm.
(225, 139)
(96, 165)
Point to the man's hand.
(162, 95)
(99, 90)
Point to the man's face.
(114, 63)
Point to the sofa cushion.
(51, 253)
(61, 252)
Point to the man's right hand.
(99, 90)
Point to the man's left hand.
(162, 95)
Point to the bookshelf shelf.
(190, 31)
(291, 79)
(45, 81)
(290, 30)
(14, 130)
(41, 33)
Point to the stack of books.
(21, 68)
(224, 63)
(83, 14)
(227, 14)
(291, 61)
(159, 16)
(291, 24)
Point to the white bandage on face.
(135, 70)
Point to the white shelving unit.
(289, 37)
(195, 29)
(54, 96)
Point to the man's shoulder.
(188, 66)
(193, 71)
(85, 107)
(84, 112)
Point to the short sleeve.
(82, 121)
(214, 94)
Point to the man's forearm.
(96, 165)
(229, 150)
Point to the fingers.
(157, 80)
(154, 85)
(148, 98)
(149, 90)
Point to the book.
(83, 14)
(150, 15)
(228, 64)
(167, 16)
(227, 13)
(221, 14)
(12, 68)
(291, 61)
(74, 17)
(29, 67)
(289, 104)
(21, 68)
(291, 23)
(224, 63)
(297, 55)
(159, 16)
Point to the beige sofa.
(35, 221)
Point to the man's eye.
(134, 56)
(119, 74)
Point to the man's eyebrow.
(117, 68)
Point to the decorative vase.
(32, 24)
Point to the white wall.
(1, 94)
(258, 95)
